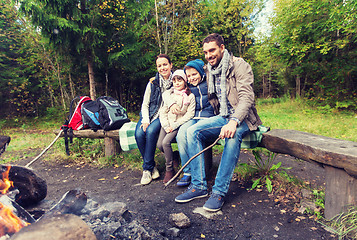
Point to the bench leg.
(111, 147)
(341, 191)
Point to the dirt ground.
(246, 214)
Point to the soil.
(246, 214)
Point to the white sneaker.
(146, 178)
(155, 173)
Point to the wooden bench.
(338, 157)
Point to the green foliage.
(344, 224)
(265, 168)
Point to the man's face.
(213, 53)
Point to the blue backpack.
(104, 113)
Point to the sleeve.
(164, 110)
(190, 113)
(145, 104)
(244, 80)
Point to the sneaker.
(190, 194)
(146, 178)
(184, 181)
(155, 173)
(214, 203)
(168, 176)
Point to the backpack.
(104, 113)
(74, 120)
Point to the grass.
(298, 115)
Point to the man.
(232, 83)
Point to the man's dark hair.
(164, 56)
(214, 37)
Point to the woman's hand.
(144, 126)
(175, 109)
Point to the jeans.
(182, 145)
(146, 142)
(209, 130)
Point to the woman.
(148, 128)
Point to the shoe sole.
(211, 210)
(184, 185)
(188, 200)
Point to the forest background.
(54, 50)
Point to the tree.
(71, 26)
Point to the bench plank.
(330, 151)
(88, 133)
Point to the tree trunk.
(92, 91)
(157, 27)
(297, 85)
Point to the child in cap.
(181, 95)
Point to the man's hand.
(144, 126)
(228, 130)
(175, 109)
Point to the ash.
(114, 221)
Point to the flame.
(5, 182)
(9, 222)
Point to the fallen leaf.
(297, 219)
(233, 205)
(203, 236)
(101, 179)
(116, 177)
(313, 228)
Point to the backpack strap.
(65, 129)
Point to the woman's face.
(193, 76)
(164, 67)
(179, 83)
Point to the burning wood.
(9, 222)
(32, 188)
(5, 182)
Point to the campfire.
(9, 222)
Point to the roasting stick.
(181, 169)
(36, 158)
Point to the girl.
(148, 128)
(181, 95)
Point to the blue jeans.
(146, 142)
(182, 145)
(208, 130)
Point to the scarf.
(165, 84)
(221, 69)
(185, 98)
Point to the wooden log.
(328, 151)
(71, 202)
(4, 141)
(111, 146)
(111, 139)
(60, 227)
(88, 133)
(32, 188)
(341, 191)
